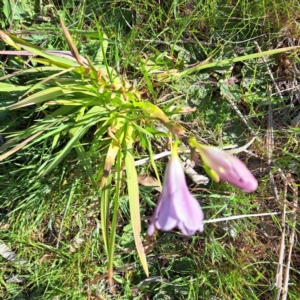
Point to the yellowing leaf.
(134, 204)
(70, 42)
(152, 110)
(109, 161)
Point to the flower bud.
(222, 165)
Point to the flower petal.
(240, 176)
(166, 218)
(176, 206)
(229, 168)
(188, 211)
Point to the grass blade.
(20, 146)
(86, 163)
(58, 158)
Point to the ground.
(226, 72)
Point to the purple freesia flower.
(225, 166)
(176, 206)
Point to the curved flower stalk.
(176, 206)
(222, 165)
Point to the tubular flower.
(222, 165)
(176, 206)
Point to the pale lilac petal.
(151, 229)
(176, 206)
(189, 212)
(167, 218)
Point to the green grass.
(53, 221)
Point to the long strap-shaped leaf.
(70, 42)
(112, 237)
(104, 205)
(41, 96)
(113, 151)
(105, 191)
(134, 204)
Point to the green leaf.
(40, 83)
(113, 149)
(39, 97)
(101, 53)
(61, 61)
(20, 146)
(147, 79)
(63, 153)
(77, 132)
(151, 156)
(112, 237)
(30, 71)
(84, 158)
(33, 134)
(7, 10)
(225, 62)
(152, 110)
(104, 210)
(134, 204)
(7, 87)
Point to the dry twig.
(291, 183)
(279, 273)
